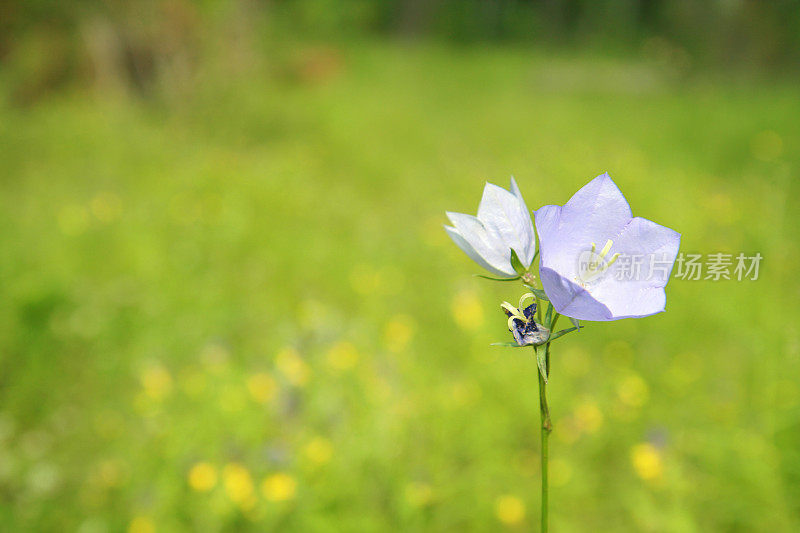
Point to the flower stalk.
(547, 426)
(546, 429)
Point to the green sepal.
(507, 344)
(496, 279)
(575, 322)
(516, 264)
(558, 334)
(539, 293)
(541, 361)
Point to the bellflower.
(587, 284)
(503, 224)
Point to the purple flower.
(503, 224)
(626, 278)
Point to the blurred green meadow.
(234, 308)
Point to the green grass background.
(155, 256)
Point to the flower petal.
(597, 209)
(571, 299)
(507, 217)
(595, 213)
(556, 251)
(648, 240)
(631, 291)
(530, 240)
(470, 251)
(491, 250)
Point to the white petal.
(487, 246)
(530, 240)
(505, 216)
(470, 251)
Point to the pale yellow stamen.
(524, 297)
(515, 313)
(606, 248)
(510, 308)
(597, 263)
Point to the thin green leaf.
(516, 263)
(540, 294)
(558, 334)
(496, 279)
(507, 344)
(541, 362)
(552, 325)
(548, 317)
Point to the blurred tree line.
(135, 45)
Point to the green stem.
(546, 428)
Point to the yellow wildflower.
(141, 524)
(633, 391)
(279, 487)
(238, 484)
(203, 477)
(156, 381)
(467, 310)
(588, 416)
(510, 510)
(342, 356)
(398, 332)
(319, 450)
(262, 387)
(647, 461)
(292, 366)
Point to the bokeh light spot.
(560, 472)
(647, 461)
(156, 381)
(510, 510)
(467, 310)
(398, 332)
(588, 416)
(292, 366)
(633, 391)
(238, 484)
(342, 356)
(203, 477)
(262, 387)
(279, 487)
(141, 524)
(319, 450)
